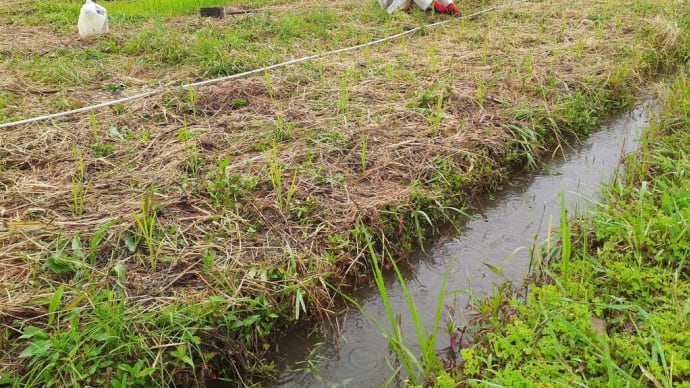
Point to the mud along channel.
(493, 247)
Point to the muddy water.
(499, 234)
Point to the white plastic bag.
(93, 19)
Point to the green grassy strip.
(143, 344)
(63, 14)
(617, 313)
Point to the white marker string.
(250, 72)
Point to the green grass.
(146, 223)
(142, 346)
(63, 13)
(164, 8)
(414, 367)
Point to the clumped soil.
(276, 173)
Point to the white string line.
(250, 72)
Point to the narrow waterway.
(499, 235)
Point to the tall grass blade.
(566, 243)
(55, 304)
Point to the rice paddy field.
(169, 240)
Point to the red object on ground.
(452, 9)
(440, 8)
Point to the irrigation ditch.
(492, 251)
(170, 240)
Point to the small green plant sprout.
(579, 48)
(79, 184)
(486, 47)
(237, 103)
(389, 71)
(482, 90)
(68, 257)
(436, 116)
(269, 84)
(208, 259)
(226, 188)
(115, 88)
(433, 58)
(194, 161)
(101, 150)
(527, 69)
(184, 134)
(276, 176)
(282, 131)
(363, 153)
(290, 194)
(146, 223)
(344, 100)
(94, 125)
(191, 94)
